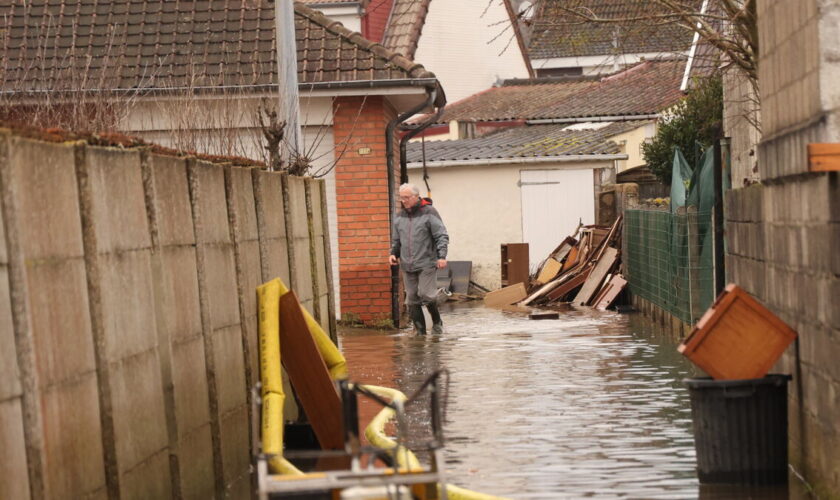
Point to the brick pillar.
(362, 203)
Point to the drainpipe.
(432, 94)
(412, 133)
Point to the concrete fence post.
(206, 327)
(22, 466)
(94, 292)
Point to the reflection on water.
(590, 405)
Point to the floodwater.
(591, 405)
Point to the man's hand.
(441, 263)
(392, 259)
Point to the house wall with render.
(481, 206)
(631, 144)
(128, 314)
(472, 57)
(783, 235)
(232, 127)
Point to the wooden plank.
(616, 285)
(506, 296)
(309, 375)
(593, 282)
(549, 271)
(568, 286)
(572, 259)
(544, 315)
(563, 249)
(824, 157)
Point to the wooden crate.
(737, 338)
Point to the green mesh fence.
(669, 260)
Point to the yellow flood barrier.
(406, 460)
(273, 396)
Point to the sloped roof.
(132, 45)
(647, 88)
(405, 26)
(529, 141)
(556, 32)
(327, 51)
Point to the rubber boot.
(437, 323)
(416, 314)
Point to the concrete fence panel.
(271, 223)
(128, 316)
(50, 300)
(14, 479)
(318, 260)
(297, 229)
(242, 213)
(118, 255)
(179, 327)
(221, 328)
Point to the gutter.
(267, 87)
(614, 118)
(435, 97)
(529, 160)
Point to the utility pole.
(289, 108)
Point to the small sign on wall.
(364, 151)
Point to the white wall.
(482, 208)
(463, 48)
(204, 120)
(630, 143)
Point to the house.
(525, 161)
(195, 76)
(564, 38)
(468, 44)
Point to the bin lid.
(770, 379)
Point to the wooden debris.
(580, 266)
(506, 296)
(609, 292)
(824, 157)
(737, 338)
(309, 375)
(544, 315)
(569, 286)
(596, 277)
(549, 271)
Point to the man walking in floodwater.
(419, 245)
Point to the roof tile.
(646, 88)
(558, 33)
(530, 141)
(163, 37)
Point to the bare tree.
(727, 25)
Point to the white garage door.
(553, 202)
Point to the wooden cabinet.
(514, 263)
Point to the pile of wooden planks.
(582, 270)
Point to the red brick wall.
(362, 204)
(376, 18)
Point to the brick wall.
(376, 19)
(783, 234)
(363, 219)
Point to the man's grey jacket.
(419, 238)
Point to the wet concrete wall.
(128, 326)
